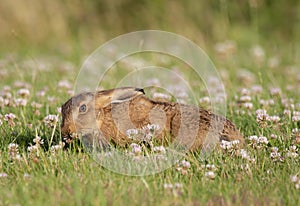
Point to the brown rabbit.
(108, 114)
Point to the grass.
(259, 68)
(72, 177)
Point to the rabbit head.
(80, 114)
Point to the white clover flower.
(1, 122)
(57, 147)
(226, 145)
(26, 176)
(64, 84)
(38, 140)
(245, 99)
(9, 117)
(13, 147)
(135, 149)
(294, 178)
(274, 119)
(296, 118)
(58, 110)
(23, 92)
(275, 155)
(273, 136)
(168, 186)
(131, 133)
(287, 112)
(257, 89)
(20, 102)
(32, 148)
(41, 93)
(204, 100)
(243, 153)
(3, 174)
(275, 91)
(36, 105)
(210, 174)
(248, 105)
(292, 152)
(185, 164)
(51, 120)
(263, 140)
(253, 138)
(159, 149)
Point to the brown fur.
(115, 111)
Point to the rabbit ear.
(105, 97)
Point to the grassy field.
(261, 76)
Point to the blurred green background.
(75, 27)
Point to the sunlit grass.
(36, 172)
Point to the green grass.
(39, 60)
(72, 177)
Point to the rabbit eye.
(82, 108)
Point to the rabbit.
(106, 116)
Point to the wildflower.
(10, 118)
(263, 140)
(273, 136)
(292, 152)
(257, 142)
(248, 105)
(275, 91)
(135, 149)
(32, 148)
(287, 112)
(58, 110)
(185, 164)
(296, 180)
(64, 84)
(41, 93)
(296, 118)
(51, 99)
(183, 167)
(262, 117)
(274, 119)
(210, 174)
(27, 176)
(51, 120)
(132, 133)
(256, 89)
(20, 102)
(230, 147)
(13, 150)
(1, 122)
(245, 99)
(23, 92)
(3, 174)
(244, 154)
(38, 140)
(275, 155)
(159, 149)
(57, 147)
(168, 186)
(36, 105)
(204, 100)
